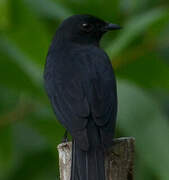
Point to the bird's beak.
(110, 26)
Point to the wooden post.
(119, 160)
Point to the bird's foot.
(65, 137)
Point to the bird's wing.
(104, 99)
(71, 107)
(90, 91)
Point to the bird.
(80, 82)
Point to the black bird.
(81, 86)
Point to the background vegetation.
(29, 131)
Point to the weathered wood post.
(119, 160)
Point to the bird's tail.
(87, 165)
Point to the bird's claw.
(65, 137)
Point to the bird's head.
(84, 29)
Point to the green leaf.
(6, 151)
(140, 116)
(21, 60)
(147, 71)
(50, 9)
(18, 72)
(133, 28)
(4, 9)
(27, 32)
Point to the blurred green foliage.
(29, 131)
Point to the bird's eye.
(86, 27)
